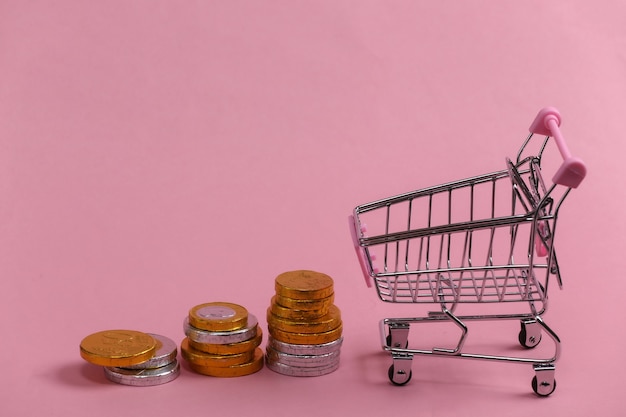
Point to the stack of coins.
(222, 340)
(132, 358)
(305, 326)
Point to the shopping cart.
(483, 240)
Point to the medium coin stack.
(304, 325)
(132, 358)
(222, 340)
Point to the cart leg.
(462, 326)
(530, 333)
(544, 383)
(398, 337)
(400, 371)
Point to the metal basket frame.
(484, 239)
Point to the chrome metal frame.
(436, 261)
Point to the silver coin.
(164, 355)
(221, 338)
(299, 371)
(293, 349)
(143, 377)
(303, 361)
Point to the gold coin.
(330, 321)
(230, 348)
(197, 357)
(218, 317)
(255, 365)
(304, 285)
(292, 314)
(321, 304)
(306, 338)
(117, 348)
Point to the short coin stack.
(305, 326)
(222, 340)
(132, 358)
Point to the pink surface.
(157, 155)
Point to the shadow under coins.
(79, 374)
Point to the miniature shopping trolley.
(480, 242)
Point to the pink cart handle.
(573, 170)
(359, 251)
(540, 248)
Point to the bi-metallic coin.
(224, 337)
(229, 348)
(218, 317)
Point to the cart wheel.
(388, 341)
(545, 388)
(527, 342)
(400, 378)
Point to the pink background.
(156, 155)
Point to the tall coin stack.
(129, 357)
(222, 340)
(304, 325)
